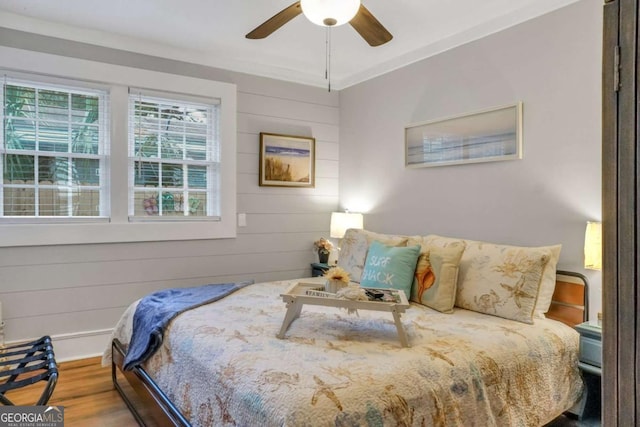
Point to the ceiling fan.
(328, 13)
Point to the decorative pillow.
(442, 241)
(501, 280)
(434, 283)
(354, 247)
(390, 267)
(386, 239)
(547, 284)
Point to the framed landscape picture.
(287, 161)
(484, 136)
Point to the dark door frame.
(620, 174)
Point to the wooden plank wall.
(73, 290)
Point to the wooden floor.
(85, 390)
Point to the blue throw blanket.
(156, 310)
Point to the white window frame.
(69, 86)
(212, 161)
(119, 228)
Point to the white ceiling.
(211, 32)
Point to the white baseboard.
(78, 345)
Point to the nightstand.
(318, 269)
(590, 365)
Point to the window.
(174, 157)
(76, 178)
(52, 151)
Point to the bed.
(221, 364)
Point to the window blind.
(174, 152)
(53, 146)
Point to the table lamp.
(593, 250)
(593, 246)
(342, 221)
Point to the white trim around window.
(174, 157)
(119, 229)
(43, 127)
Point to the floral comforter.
(221, 364)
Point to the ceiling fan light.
(330, 13)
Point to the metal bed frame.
(148, 404)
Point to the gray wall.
(553, 65)
(76, 293)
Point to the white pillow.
(547, 284)
(501, 280)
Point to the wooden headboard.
(570, 301)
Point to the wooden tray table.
(296, 296)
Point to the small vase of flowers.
(337, 278)
(324, 249)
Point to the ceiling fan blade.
(275, 22)
(370, 28)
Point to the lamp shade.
(593, 246)
(342, 221)
(330, 13)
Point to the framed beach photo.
(485, 136)
(287, 161)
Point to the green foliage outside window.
(44, 126)
(165, 136)
(50, 158)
